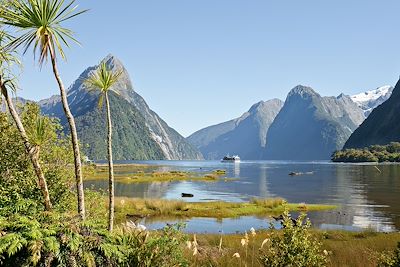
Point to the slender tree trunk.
(110, 168)
(32, 151)
(74, 137)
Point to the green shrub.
(293, 245)
(390, 259)
(17, 178)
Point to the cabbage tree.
(103, 80)
(38, 25)
(8, 59)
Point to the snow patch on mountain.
(369, 100)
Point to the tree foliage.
(374, 153)
(390, 259)
(17, 178)
(40, 24)
(29, 236)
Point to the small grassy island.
(131, 173)
(374, 153)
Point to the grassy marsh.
(128, 173)
(215, 209)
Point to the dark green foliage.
(30, 236)
(390, 259)
(54, 240)
(374, 153)
(17, 179)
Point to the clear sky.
(198, 63)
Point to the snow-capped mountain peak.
(373, 98)
(373, 94)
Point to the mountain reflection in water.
(367, 198)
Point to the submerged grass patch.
(146, 174)
(215, 209)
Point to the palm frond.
(39, 24)
(8, 59)
(103, 80)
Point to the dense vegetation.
(30, 236)
(374, 153)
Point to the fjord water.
(367, 195)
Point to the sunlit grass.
(146, 174)
(359, 249)
(214, 209)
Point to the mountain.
(18, 101)
(369, 100)
(311, 127)
(138, 132)
(381, 127)
(245, 136)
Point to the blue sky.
(199, 63)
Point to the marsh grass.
(148, 174)
(219, 172)
(268, 203)
(215, 209)
(362, 249)
(347, 248)
(164, 208)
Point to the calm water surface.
(368, 195)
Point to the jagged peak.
(299, 89)
(302, 91)
(344, 97)
(113, 62)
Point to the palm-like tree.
(7, 59)
(38, 25)
(103, 80)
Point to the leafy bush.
(293, 246)
(17, 178)
(390, 259)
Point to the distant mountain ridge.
(245, 135)
(311, 127)
(382, 126)
(139, 133)
(307, 126)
